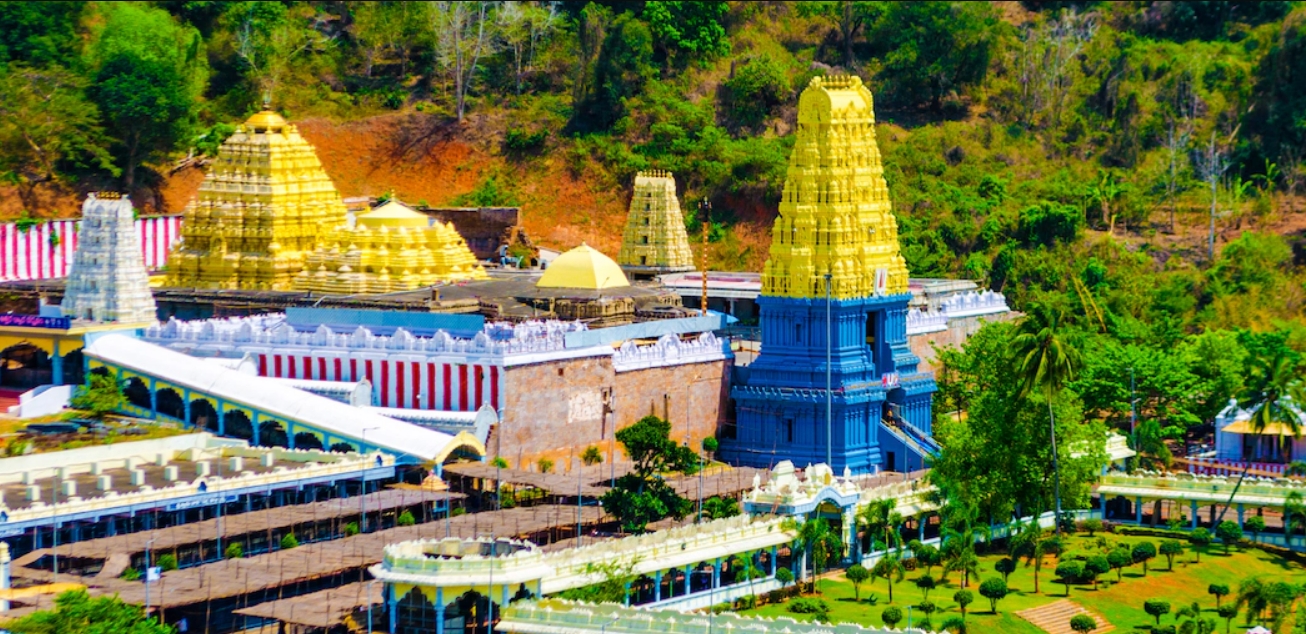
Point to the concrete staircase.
(1054, 618)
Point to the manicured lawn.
(1120, 603)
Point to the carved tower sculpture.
(108, 282)
(262, 207)
(655, 241)
(834, 288)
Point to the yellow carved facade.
(835, 214)
(390, 248)
(655, 228)
(260, 210)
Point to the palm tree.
(890, 567)
(1294, 516)
(1045, 363)
(960, 531)
(822, 544)
(1027, 542)
(879, 517)
(1270, 392)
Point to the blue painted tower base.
(880, 415)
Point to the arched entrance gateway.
(24, 366)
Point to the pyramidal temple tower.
(834, 287)
(108, 282)
(654, 241)
(262, 207)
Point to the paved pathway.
(1054, 618)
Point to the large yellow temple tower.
(835, 214)
(836, 381)
(655, 240)
(261, 208)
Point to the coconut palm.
(1271, 392)
(1045, 363)
(822, 543)
(878, 518)
(1027, 542)
(1294, 516)
(960, 531)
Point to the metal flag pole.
(829, 384)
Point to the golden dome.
(583, 268)
(265, 120)
(393, 214)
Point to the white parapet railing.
(1254, 491)
(460, 563)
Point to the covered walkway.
(165, 384)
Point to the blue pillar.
(1101, 504)
(657, 586)
(920, 525)
(222, 418)
(1240, 515)
(154, 399)
(439, 611)
(626, 600)
(253, 424)
(1138, 510)
(392, 603)
(774, 553)
(1194, 509)
(185, 395)
(687, 576)
(716, 573)
(56, 364)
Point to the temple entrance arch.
(414, 614)
(169, 403)
(307, 440)
(24, 366)
(137, 392)
(238, 425)
(203, 416)
(469, 614)
(272, 433)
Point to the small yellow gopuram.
(389, 248)
(654, 240)
(260, 210)
(835, 215)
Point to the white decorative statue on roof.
(108, 280)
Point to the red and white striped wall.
(406, 384)
(33, 255)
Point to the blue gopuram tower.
(835, 287)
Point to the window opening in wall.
(789, 430)
(798, 333)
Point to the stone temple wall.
(556, 409)
(958, 330)
(483, 228)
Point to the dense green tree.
(857, 575)
(1229, 534)
(40, 34)
(879, 519)
(755, 88)
(1156, 608)
(148, 73)
(686, 31)
(1119, 558)
(46, 126)
(847, 17)
(1170, 548)
(1219, 591)
(75, 612)
(1068, 572)
(933, 48)
(642, 496)
(1200, 538)
(963, 598)
(1144, 552)
(1082, 623)
(891, 616)
(993, 589)
(101, 395)
(999, 456)
(623, 67)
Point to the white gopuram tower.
(108, 282)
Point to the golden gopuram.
(835, 214)
(260, 210)
(654, 240)
(389, 248)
